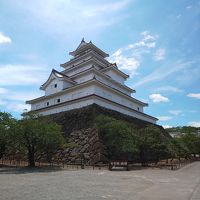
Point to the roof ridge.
(53, 70)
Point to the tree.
(38, 135)
(152, 144)
(177, 149)
(7, 126)
(187, 142)
(148, 143)
(192, 142)
(118, 136)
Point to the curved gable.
(56, 83)
(58, 76)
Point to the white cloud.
(105, 8)
(189, 7)
(18, 107)
(189, 75)
(4, 39)
(128, 58)
(2, 102)
(192, 111)
(22, 74)
(194, 124)
(15, 101)
(159, 75)
(168, 89)
(148, 41)
(157, 98)
(159, 54)
(164, 118)
(129, 64)
(175, 112)
(72, 16)
(166, 126)
(3, 90)
(19, 95)
(194, 95)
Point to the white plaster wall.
(109, 83)
(97, 67)
(124, 111)
(66, 84)
(50, 89)
(103, 103)
(117, 98)
(115, 76)
(71, 95)
(67, 107)
(76, 62)
(88, 55)
(78, 69)
(89, 76)
(84, 78)
(85, 91)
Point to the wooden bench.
(169, 166)
(116, 165)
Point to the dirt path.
(151, 184)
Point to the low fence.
(163, 164)
(173, 164)
(56, 164)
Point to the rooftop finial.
(82, 40)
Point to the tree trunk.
(143, 157)
(31, 158)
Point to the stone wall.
(79, 130)
(85, 147)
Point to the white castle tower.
(88, 78)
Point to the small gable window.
(47, 103)
(58, 100)
(55, 85)
(138, 108)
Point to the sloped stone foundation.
(85, 147)
(80, 131)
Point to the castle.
(88, 78)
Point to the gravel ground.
(151, 184)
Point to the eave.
(93, 81)
(93, 69)
(88, 46)
(69, 64)
(90, 60)
(114, 67)
(98, 97)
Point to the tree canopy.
(149, 143)
(37, 137)
(7, 127)
(119, 136)
(152, 144)
(33, 136)
(186, 141)
(122, 137)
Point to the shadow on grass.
(26, 170)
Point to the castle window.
(47, 103)
(58, 100)
(55, 85)
(138, 108)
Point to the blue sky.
(156, 42)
